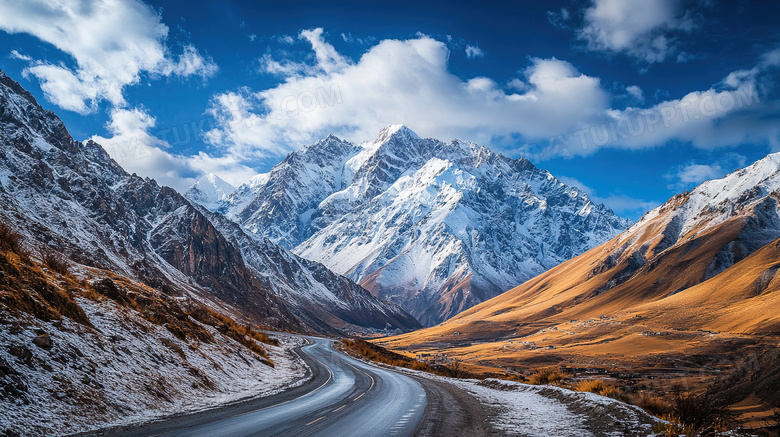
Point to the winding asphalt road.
(354, 400)
(345, 398)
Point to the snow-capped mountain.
(715, 201)
(209, 191)
(315, 294)
(70, 197)
(704, 260)
(436, 227)
(745, 201)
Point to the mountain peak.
(209, 191)
(396, 130)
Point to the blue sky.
(632, 102)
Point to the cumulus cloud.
(111, 41)
(400, 81)
(644, 30)
(697, 173)
(692, 174)
(551, 109)
(741, 109)
(474, 52)
(635, 92)
(135, 146)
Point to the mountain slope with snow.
(325, 300)
(71, 198)
(704, 260)
(209, 191)
(435, 227)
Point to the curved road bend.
(346, 398)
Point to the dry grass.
(599, 387)
(25, 288)
(10, 240)
(651, 404)
(54, 262)
(379, 354)
(694, 413)
(243, 334)
(547, 375)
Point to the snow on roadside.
(548, 410)
(534, 410)
(526, 412)
(125, 371)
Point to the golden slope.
(604, 302)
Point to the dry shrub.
(243, 334)
(599, 387)
(9, 239)
(379, 354)
(54, 262)
(547, 375)
(692, 414)
(24, 288)
(651, 404)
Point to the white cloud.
(285, 39)
(328, 60)
(137, 150)
(474, 52)
(347, 37)
(691, 174)
(16, 55)
(644, 30)
(190, 63)
(635, 92)
(739, 110)
(697, 173)
(552, 109)
(111, 41)
(559, 19)
(399, 81)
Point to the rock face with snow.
(325, 300)
(72, 198)
(436, 227)
(209, 191)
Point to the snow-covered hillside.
(84, 349)
(714, 201)
(72, 198)
(325, 300)
(435, 227)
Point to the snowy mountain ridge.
(714, 201)
(434, 226)
(72, 198)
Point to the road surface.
(344, 398)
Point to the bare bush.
(54, 262)
(9, 238)
(547, 375)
